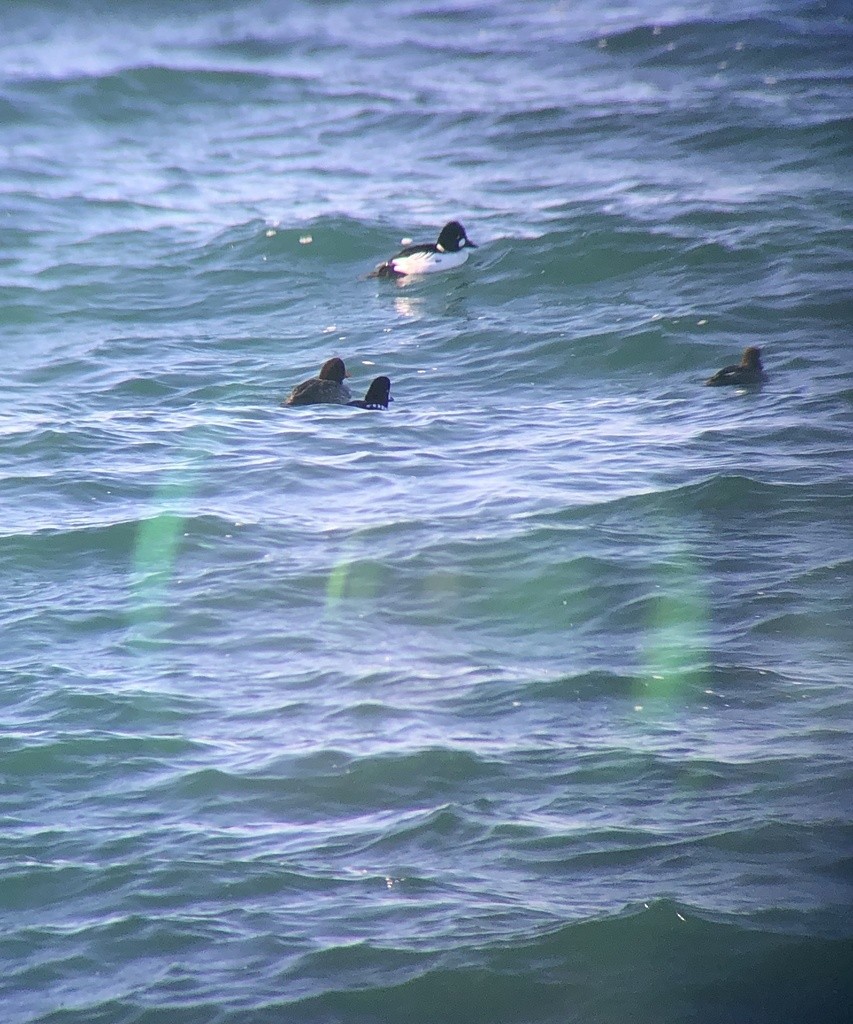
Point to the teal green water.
(526, 701)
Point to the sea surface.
(527, 701)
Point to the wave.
(607, 970)
(661, 962)
(722, 495)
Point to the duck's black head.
(453, 238)
(379, 393)
(334, 370)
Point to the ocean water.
(528, 700)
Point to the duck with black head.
(377, 397)
(449, 251)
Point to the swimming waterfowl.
(749, 373)
(327, 388)
(378, 395)
(447, 253)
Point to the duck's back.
(318, 392)
(736, 376)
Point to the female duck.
(749, 373)
(327, 388)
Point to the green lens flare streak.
(352, 578)
(337, 584)
(678, 619)
(157, 540)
